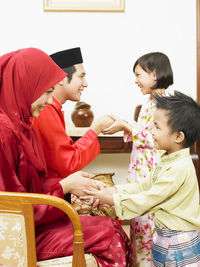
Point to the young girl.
(153, 74)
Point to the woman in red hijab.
(27, 77)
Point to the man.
(64, 157)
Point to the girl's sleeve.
(142, 138)
(141, 133)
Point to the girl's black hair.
(160, 63)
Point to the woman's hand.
(76, 182)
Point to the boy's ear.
(180, 137)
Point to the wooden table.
(108, 143)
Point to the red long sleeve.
(18, 175)
(63, 157)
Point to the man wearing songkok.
(64, 157)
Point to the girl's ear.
(180, 137)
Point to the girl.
(154, 75)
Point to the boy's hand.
(89, 201)
(105, 195)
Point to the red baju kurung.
(62, 156)
(24, 77)
(54, 233)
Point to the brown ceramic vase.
(82, 115)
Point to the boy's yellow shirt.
(170, 193)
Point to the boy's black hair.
(159, 62)
(183, 115)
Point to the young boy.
(171, 192)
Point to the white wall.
(110, 42)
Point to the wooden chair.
(17, 235)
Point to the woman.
(27, 78)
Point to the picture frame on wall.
(84, 5)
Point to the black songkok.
(68, 58)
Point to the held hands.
(110, 124)
(118, 125)
(103, 195)
(102, 123)
(78, 181)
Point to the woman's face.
(38, 105)
(145, 80)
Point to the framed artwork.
(84, 5)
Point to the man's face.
(74, 88)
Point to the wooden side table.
(108, 143)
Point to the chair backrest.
(17, 234)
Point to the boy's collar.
(185, 152)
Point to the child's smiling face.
(162, 134)
(145, 80)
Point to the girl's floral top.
(143, 156)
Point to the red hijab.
(24, 76)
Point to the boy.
(171, 192)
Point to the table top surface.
(80, 131)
